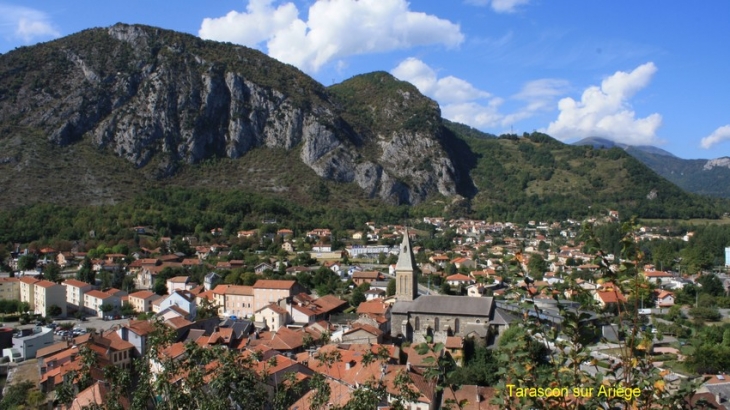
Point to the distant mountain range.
(700, 176)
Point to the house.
(247, 234)
(141, 301)
(465, 262)
(288, 247)
(234, 300)
(608, 294)
(49, 294)
(262, 267)
(319, 233)
(75, 291)
(459, 279)
(375, 312)
(375, 293)
(182, 299)
(285, 233)
(136, 332)
(360, 277)
(320, 247)
(266, 291)
(658, 277)
(178, 283)
(273, 316)
(664, 298)
(363, 333)
(211, 280)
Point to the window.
(456, 325)
(436, 324)
(418, 323)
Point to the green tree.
(390, 290)
(27, 262)
(357, 297)
(537, 266)
(53, 311)
(52, 272)
(106, 308)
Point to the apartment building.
(47, 294)
(10, 288)
(75, 291)
(27, 290)
(95, 298)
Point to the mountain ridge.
(105, 114)
(700, 176)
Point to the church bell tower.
(406, 285)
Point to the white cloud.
(605, 111)
(459, 100)
(334, 29)
(500, 6)
(462, 102)
(26, 23)
(539, 96)
(719, 135)
(445, 90)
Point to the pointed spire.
(406, 259)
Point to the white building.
(31, 342)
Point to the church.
(414, 317)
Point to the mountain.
(700, 176)
(162, 100)
(597, 142)
(104, 115)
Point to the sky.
(636, 72)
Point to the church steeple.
(405, 271)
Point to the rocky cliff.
(163, 101)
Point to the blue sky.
(643, 72)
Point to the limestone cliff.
(164, 100)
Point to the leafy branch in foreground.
(572, 375)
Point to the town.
(393, 315)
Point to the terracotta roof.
(274, 284)
(142, 294)
(52, 349)
(374, 306)
(610, 296)
(276, 308)
(178, 322)
(9, 280)
(328, 303)
(116, 342)
(29, 280)
(472, 397)
(367, 328)
(239, 290)
(98, 294)
(75, 283)
(459, 277)
(179, 279)
(454, 342)
(366, 274)
(95, 394)
(46, 283)
(140, 327)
